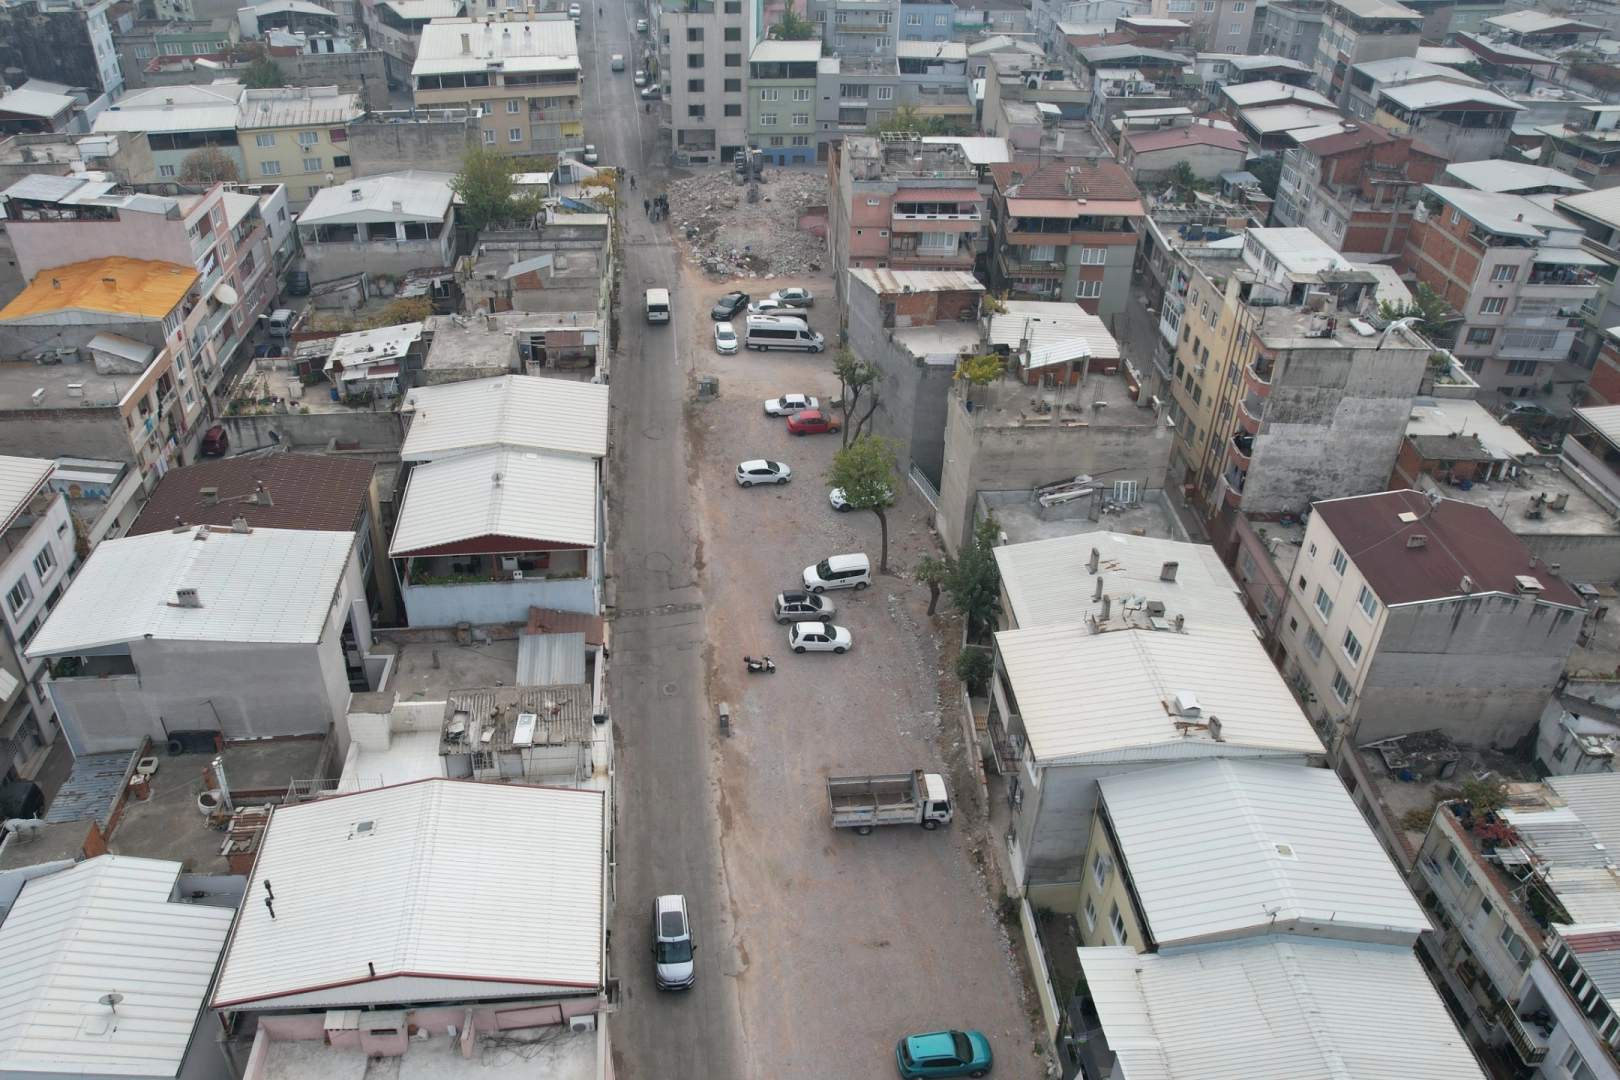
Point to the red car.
(811, 422)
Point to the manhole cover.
(671, 689)
(649, 281)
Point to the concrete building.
(1598, 213)
(1222, 27)
(915, 326)
(255, 633)
(1586, 147)
(781, 99)
(395, 27)
(1369, 81)
(1065, 231)
(36, 107)
(1408, 614)
(384, 224)
(522, 75)
(1292, 28)
(298, 136)
(934, 80)
(178, 120)
(1359, 31)
(1150, 157)
(560, 345)
(70, 44)
(1460, 122)
(1452, 441)
(857, 27)
(702, 48)
(1354, 185)
(126, 158)
(1592, 447)
(1516, 272)
(853, 94)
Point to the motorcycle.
(763, 664)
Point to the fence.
(925, 487)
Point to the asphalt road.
(668, 837)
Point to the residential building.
(1151, 157)
(1236, 97)
(298, 136)
(932, 20)
(1586, 148)
(1359, 31)
(395, 27)
(781, 97)
(178, 120)
(934, 81)
(1543, 32)
(1604, 384)
(1516, 272)
(36, 107)
(384, 224)
(1463, 123)
(310, 492)
(40, 560)
(1451, 441)
(1123, 653)
(251, 632)
(976, 18)
(1221, 26)
(1355, 186)
(140, 45)
(75, 929)
(1526, 906)
(503, 509)
(1066, 231)
(126, 158)
(522, 75)
(1292, 28)
(853, 95)
(856, 27)
(1295, 856)
(70, 44)
(1592, 447)
(554, 344)
(563, 268)
(1025, 96)
(1269, 129)
(1598, 213)
(914, 326)
(1368, 81)
(1512, 178)
(1443, 20)
(1410, 613)
(702, 48)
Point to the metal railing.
(1532, 1049)
(925, 487)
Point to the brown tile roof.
(1104, 180)
(1461, 539)
(549, 621)
(1144, 142)
(307, 491)
(1361, 135)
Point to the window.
(776, 140)
(1091, 914)
(1313, 643)
(1521, 367)
(1042, 252)
(767, 95)
(733, 110)
(1481, 335)
(1493, 305)
(1341, 687)
(914, 19)
(1099, 869)
(885, 93)
(489, 138)
(308, 138)
(733, 7)
(1577, 1067)
(767, 120)
(733, 59)
(313, 190)
(1504, 273)
(512, 106)
(1456, 215)
(312, 164)
(801, 93)
(1339, 561)
(694, 33)
(1312, 553)
(801, 119)
(695, 110)
(514, 134)
(1515, 947)
(733, 86)
(1088, 290)
(1352, 646)
(801, 140)
(1235, 29)
(19, 596)
(1093, 256)
(1116, 922)
(44, 562)
(166, 170)
(265, 140)
(270, 168)
(1239, 7)
(733, 33)
(1458, 864)
(694, 86)
(1209, 5)
(942, 20)
(143, 52)
(172, 50)
(1324, 602)
(694, 60)
(337, 135)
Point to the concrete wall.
(328, 262)
(49, 433)
(436, 145)
(41, 245)
(1594, 557)
(370, 430)
(481, 603)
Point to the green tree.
(973, 581)
(1427, 306)
(980, 370)
(208, 165)
(1186, 181)
(263, 74)
(1267, 170)
(865, 469)
(855, 377)
(974, 667)
(488, 192)
(931, 572)
(793, 27)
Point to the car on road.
(298, 283)
(793, 297)
(792, 607)
(760, 471)
(819, 637)
(589, 156)
(653, 92)
(616, 62)
(838, 572)
(729, 305)
(641, 78)
(672, 943)
(215, 442)
(812, 422)
(725, 337)
(944, 1053)
(641, 26)
(842, 505)
(769, 306)
(573, 11)
(788, 404)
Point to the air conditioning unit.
(579, 1025)
(517, 575)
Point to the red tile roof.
(1460, 540)
(1104, 180)
(549, 621)
(1192, 135)
(1600, 942)
(307, 491)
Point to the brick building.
(1355, 185)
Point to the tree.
(208, 165)
(1428, 307)
(931, 572)
(793, 27)
(974, 667)
(855, 377)
(973, 581)
(1267, 170)
(263, 74)
(980, 370)
(1186, 181)
(906, 118)
(865, 469)
(488, 191)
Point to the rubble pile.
(713, 221)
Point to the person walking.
(632, 181)
(646, 207)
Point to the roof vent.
(1527, 583)
(1091, 564)
(1417, 540)
(399, 207)
(187, 598)
(354, 194)
(179, 525)
(1167, 572)
(210, 495)
(466, 44)
(1466, 585)
(239, 524)
(261, 495)
(1186, 705)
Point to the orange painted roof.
(116, 285)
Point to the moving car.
(641, 78)
(729, 305)
(812, 422)
(589, 156)
(760, 471)
(819, 637)
(653, 92)
(943, 1053)
(616, 62)
(573, 11)
(841, 504)
(839, 572)
(788, 404)
(793, 297)
(215, 442)
(792, 607)
(769, 306)
(641, 26)
(672, 944)
(725, 337)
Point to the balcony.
(974, 216)
(555, 116)
(1257, 377)
(1249, 411)
(1527, 1035)
(866, 25)
(1017, 267)
(1242, 446)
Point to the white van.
(282, 321)
(657, 305)
(839, 572)
(781, 332)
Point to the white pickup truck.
(864, 802)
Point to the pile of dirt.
(725, 234)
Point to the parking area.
(845, 942)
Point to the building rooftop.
(1529, 22)
(1264, 63)
(412, 195)
(1280, 849)
(1406, 69)
(1023, 518)
(469, 346)
(286, 106)
(165, 109)
(112, 286)
(1145, 142)
(1340, 138)
(1376, 9)
(528, 498)
(1448, 56)
(1316, 1008)
(1466, 550)
(266, 585)
(307, 491)
(1093, 180)
(1275, 118)
(26, 102)
(519, 411)
(396, 895)
(110, 923)
(1561, 506)
(1506, 214)
(517, 46)
(1269, 91)
(1448, 95)
(1054, 332)
(539, 1053)
(786, 52)
(21, 478)
(1604, 419)
(889, 282)
(947, 51)
(1467, 419)
(1511, 177)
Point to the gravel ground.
(847, 942)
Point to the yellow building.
(519, 72)
(297, 136)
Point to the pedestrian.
(646, 207)
(632, 181)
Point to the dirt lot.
(847, 942)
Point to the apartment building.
(701, 51)
(854, 94)
(1291, 29)
(178, 120)
(1368, 81)
(1065, 230)
(1587, 148)
(1515, 271)
(520, 72)
(1209, 148)
(395, 27)
(1464, 123)
(781, 100)
(63, 41)
(1357, 32)
(1218, 26)
(934, 81)
(298, 136)
(858, 27)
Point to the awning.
(1566, 256)
(225, 294)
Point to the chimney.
(179, 525)
(466, 44)
(1417, 540)
(1181, 622)
(1167, 572)
(1068, 181)
(184, 597)
(261, 495)
(210, 495)
(239, 524)
(1092, 564)
(1107, 605)
(1096, 594)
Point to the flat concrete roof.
(555, 1056)
(1510, 501)
(18, 381)
(430, 670)
(1024, 519)
(1008, 404)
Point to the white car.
(616, 62)
(725, 337)
(841, 504)
(641, 26)
(769, 306)
(653, 92)
(788, 404)
(573, 11)
(589, 156)
(819, 637)
(641, 78)
(793, 297)
(760, 471)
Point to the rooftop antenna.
(111, 1001)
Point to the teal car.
(944, 1053)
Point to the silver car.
(792, 607)
(672, 944)
(788, 404)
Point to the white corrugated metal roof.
(1054, 331)
(1502, 212)
(453, 890)
(26, 102)
(784, 52)
(1281, 1008)
(523, 411)
(267, 585)
(546, 498)
(126, 348)
(1084, 695)
(1274, 118)
(1245, 94)
(1602, 205)
(404, 196)
(550, 659)
(20, 477)
(1280, 846)
(173, 108)
(946, 51)
(1439, 93)
(1467, 417)
(382, 345)
(523, 46)
(105, 926)
(978, 149)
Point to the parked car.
(841, 504)
(616, 62)
(792, 607)
(769, 306)
(838, 572)
(725, 337)
(672, 943)
(793, 297)
(641, 26)
(944, 1053)
(1524, 410)
(819, 637)
(573, 11)
(788, 404)
(760, 471)
(729, 305)
(298, 283)
(266, 352)
(653, 92)
(215, 442)
(641, 78)
(812, 422)
(589, 156)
